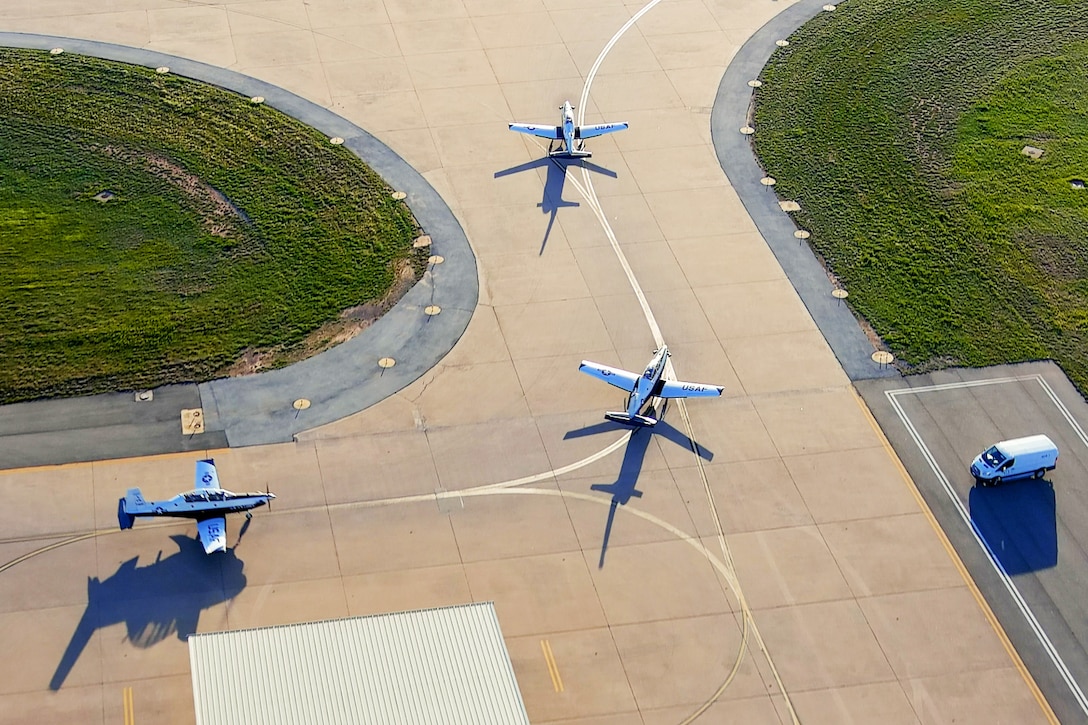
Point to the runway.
(759, 558)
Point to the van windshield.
(994, 457)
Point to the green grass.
(898, 126)
(232, 227)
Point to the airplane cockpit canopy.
(202, 495)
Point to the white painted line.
(1014, 592)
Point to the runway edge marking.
(958, 563)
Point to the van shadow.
(155, 601)
(624, 488)
(553, 199)
(1018, 523)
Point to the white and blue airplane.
(208, 503)
(572, 136)
(642, 389)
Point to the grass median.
(900, 128)
(155, 230)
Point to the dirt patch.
(348, 324)
(218, 215)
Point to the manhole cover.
(145, 396)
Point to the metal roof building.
(446, 665)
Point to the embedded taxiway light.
(435, 259)
(755, 83)
(336, 140)
(839, 293)
(768, 181)
(192, 421)
(829, 8)
(399, 195)
(883, 357)
(162, 70)
(301, 404)
(56, 51)
(421, 242)
(747, 130)
(802, 234)
(386, 362)
(145, 396)
(782, 43)
(432, 310)
(257, 100)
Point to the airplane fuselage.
(648, 383)
(568, 129)
(198, 504)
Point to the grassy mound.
(154, 229)
(898, 125)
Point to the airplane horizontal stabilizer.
(631, 419)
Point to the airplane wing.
(552, 132)
(213, 534)
(206, 477)
(613, 376)
(680, 389)
(598, 129)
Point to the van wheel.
(1040, 473)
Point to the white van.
(1019, 458)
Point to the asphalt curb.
(735, 154)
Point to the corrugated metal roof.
(446, 665)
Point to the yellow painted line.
(127, 706)
(971, 586)
(553, 668)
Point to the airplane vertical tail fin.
(124, 518)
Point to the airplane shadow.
(624, 488)
(553, 199)
(155, 601)
(1018, 522)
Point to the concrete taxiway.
(785, 570)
